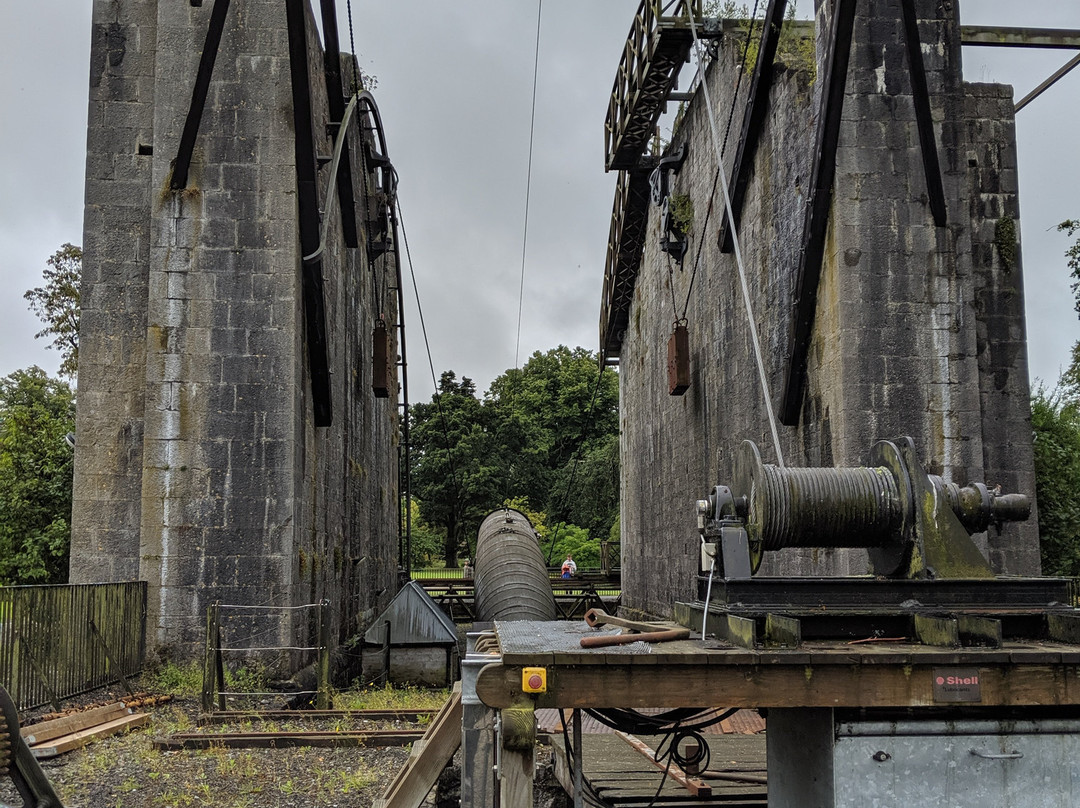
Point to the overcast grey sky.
(454, 84)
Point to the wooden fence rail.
(59, 641)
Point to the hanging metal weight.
(912, 524)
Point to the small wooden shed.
(414, 638)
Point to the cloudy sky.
(454, 88)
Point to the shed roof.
(415, 619)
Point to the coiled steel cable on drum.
(511, 576)
(817, 507)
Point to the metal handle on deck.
(1003, 756)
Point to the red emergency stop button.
(534, 680)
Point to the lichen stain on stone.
(158, 338)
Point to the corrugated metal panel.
(414, 620)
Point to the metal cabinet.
(957, 764)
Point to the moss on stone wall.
(1005, 241)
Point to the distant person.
(569, 567)
(467, 570)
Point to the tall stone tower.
(229, 445)
(917, 314)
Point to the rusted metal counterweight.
(913, 524)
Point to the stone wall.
(918, 331)
(198, 465)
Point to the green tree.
(56, 304)
(571, 540)
(559, 423)
(545, 434)
(36, 413)
(427, 541)
(1055, 420)
(455, 472)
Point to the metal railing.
(62, 640)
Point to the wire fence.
(62, 640)
(247, 632)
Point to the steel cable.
(744, 283)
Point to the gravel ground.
(124, 771)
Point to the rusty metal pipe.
(604, 640)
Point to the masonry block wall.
(919, 330)
(198, 465)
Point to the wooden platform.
(623, 777)
(817, 674)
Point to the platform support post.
(477, 732)
(799, 742)
(517, 755)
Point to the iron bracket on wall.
(823, 173)
(198, 95)
(335, 93)
(308, 204)
(672, 233)
(818, 204)
(754, 118)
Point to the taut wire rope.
(431, 365)
(528, 184)
(743, 283)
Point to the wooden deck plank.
(779, 685)
(74, 740)
(615, 770)
(65, 725)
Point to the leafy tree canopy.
(1055, 422)
(36, 412)
(427, 541)
(56, 304)
(521, 442)
(1055, 419)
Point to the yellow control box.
(534, 680)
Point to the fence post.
(219, 665)
(208, 663)
(323, 698)
(386, 653)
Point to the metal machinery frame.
(858, 675)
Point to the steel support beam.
(308, 204)
(819, 202)
(1003, 37)
(198, 95)
(754, 118)
(920, 95)
(1044, 86)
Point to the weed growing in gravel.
(173, 720)
(408, 697)
(181, 681)
(357, 780)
